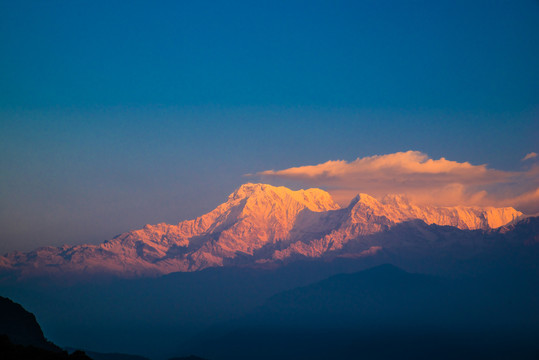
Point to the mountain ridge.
(258, 224)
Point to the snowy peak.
(264, 214)
(313, 199)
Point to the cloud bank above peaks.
(424, 180)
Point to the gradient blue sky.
(116, 114)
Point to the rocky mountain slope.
(258, 224)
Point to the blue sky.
(116, 114)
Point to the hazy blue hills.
(379, 313)
(387, 313)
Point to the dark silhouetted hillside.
(21, 326)
(21, 337)
(10, 351)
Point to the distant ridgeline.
(265, 226)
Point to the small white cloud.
(529, 156)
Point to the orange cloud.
(438, 182)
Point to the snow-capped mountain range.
(258, 224)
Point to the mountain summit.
(258, 223)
